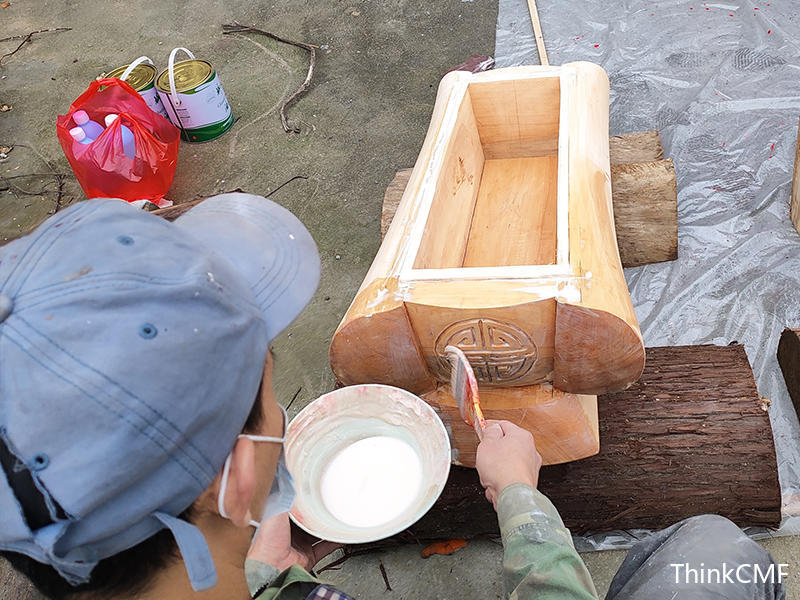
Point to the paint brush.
(465, 389)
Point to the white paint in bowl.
(340, 419)
(372, 481)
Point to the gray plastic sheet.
(721, 82)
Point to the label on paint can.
(142, 79)
(197, 105)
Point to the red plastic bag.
(102, 168)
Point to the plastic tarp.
(721, 82)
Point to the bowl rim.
(345, 539)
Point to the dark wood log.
(789, 360)
(644, 193)
(691, 437)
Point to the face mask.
(281, 495)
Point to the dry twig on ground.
(27, 38)
(237, 28)
(60, 179)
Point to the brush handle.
(479, 422)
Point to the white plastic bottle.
(128, 142)
(80, 141)
(91, 128)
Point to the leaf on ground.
(447, 547)
(5, 108)
(5, 4)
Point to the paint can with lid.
(141, 75)
(193, 98)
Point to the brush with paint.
(368, 461)
(465, 389)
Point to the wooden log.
(644, 194)
(691, 437)
(645, 211)
(636, 147)
(564, 425)
(794, 207)
(789, 360)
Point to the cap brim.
(267, 244)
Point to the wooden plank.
(794, 207)
(645, 212)
(564, 425)
(689, 438)
(502, 353)
(599, 347)
(454, 199)
(521, 148)
(537, 33)
(391, 198)
(644, 194)
(640, 146)
(517, 112)
(789, 360)
(516, 204)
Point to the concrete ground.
(363, 118)
(475, 571)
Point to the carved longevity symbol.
(500, 353)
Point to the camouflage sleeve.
(539, 559)
(266, 583)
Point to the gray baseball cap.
(131, 352)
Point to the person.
(141, 443)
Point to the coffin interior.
(494, 202)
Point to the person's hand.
(506, 455)
(273, 544)
(313, 547)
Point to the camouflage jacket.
(539, 559)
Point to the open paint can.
(367, 460)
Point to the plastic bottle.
(128, 143)
(81, 140)
(91, 128)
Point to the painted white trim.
(513, 272)
(561, 288)
(516, 73)
(427, 189)
(567, 84)
(433, 169)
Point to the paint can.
(141, 75)
(193, 98)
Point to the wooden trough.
(504, 245)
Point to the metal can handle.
(126, 73)
(171, 72)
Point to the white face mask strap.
(223, 487)
(266, 438)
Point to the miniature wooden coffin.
(504, 245)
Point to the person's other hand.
(273, 544)
(506, 455)
(313, 547)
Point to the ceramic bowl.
(327, 428)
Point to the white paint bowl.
(335, 421)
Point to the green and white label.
(203, 112)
